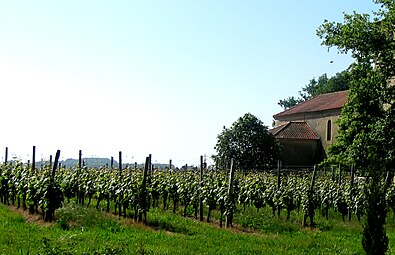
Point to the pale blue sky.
(160, 77)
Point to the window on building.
(329, 130)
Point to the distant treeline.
(97, 163)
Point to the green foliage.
(375, 240)
(273, 235)
(83, 229)
(315, 87)
(366, 134)
(324, 85)
(80, 229)
(73, 216)
(369, 40)
(170, 222)
(361, 139)
(289, 102)
(249, 143)
(51, 248)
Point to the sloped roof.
(294, 130)
(323, 102)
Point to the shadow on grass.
(172, 223)
(73, 216)
(266, 222)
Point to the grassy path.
(88, 231)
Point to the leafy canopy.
(366, 134)
(249, 143)
(366, 126)
(315, 87)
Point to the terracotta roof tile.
(321, 102)
(274, 130)
(294, 130)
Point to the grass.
(80, 230)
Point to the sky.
(153, 77)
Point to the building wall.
(320, 126)
(318, 121)
(298, 153)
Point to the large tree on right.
(366, 138)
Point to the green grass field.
(81, 230)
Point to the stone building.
(306, 130)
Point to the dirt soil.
(30, 218)
(38, 219)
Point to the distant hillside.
(96, 163)
(90, 162)
(99, 162)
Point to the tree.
(366, 133)
(315, 87)
(289, 102)
(249, 143)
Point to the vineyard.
(131, 192)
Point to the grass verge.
(80, 230)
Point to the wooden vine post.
(201, 188)
(52, 192)
(333, 173)
(34, 159)
(311, 204)
(229, 215)
(278, 185)
(120, 198)
(149, 179)
(143, 197)
(79, 160)
(313, 178)
(4, 194)
(278, 174)
(79, 170)
(351, 190)
(340, 175)
(31, 206)
(310, 201)
(6, 155)
(150, 166)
